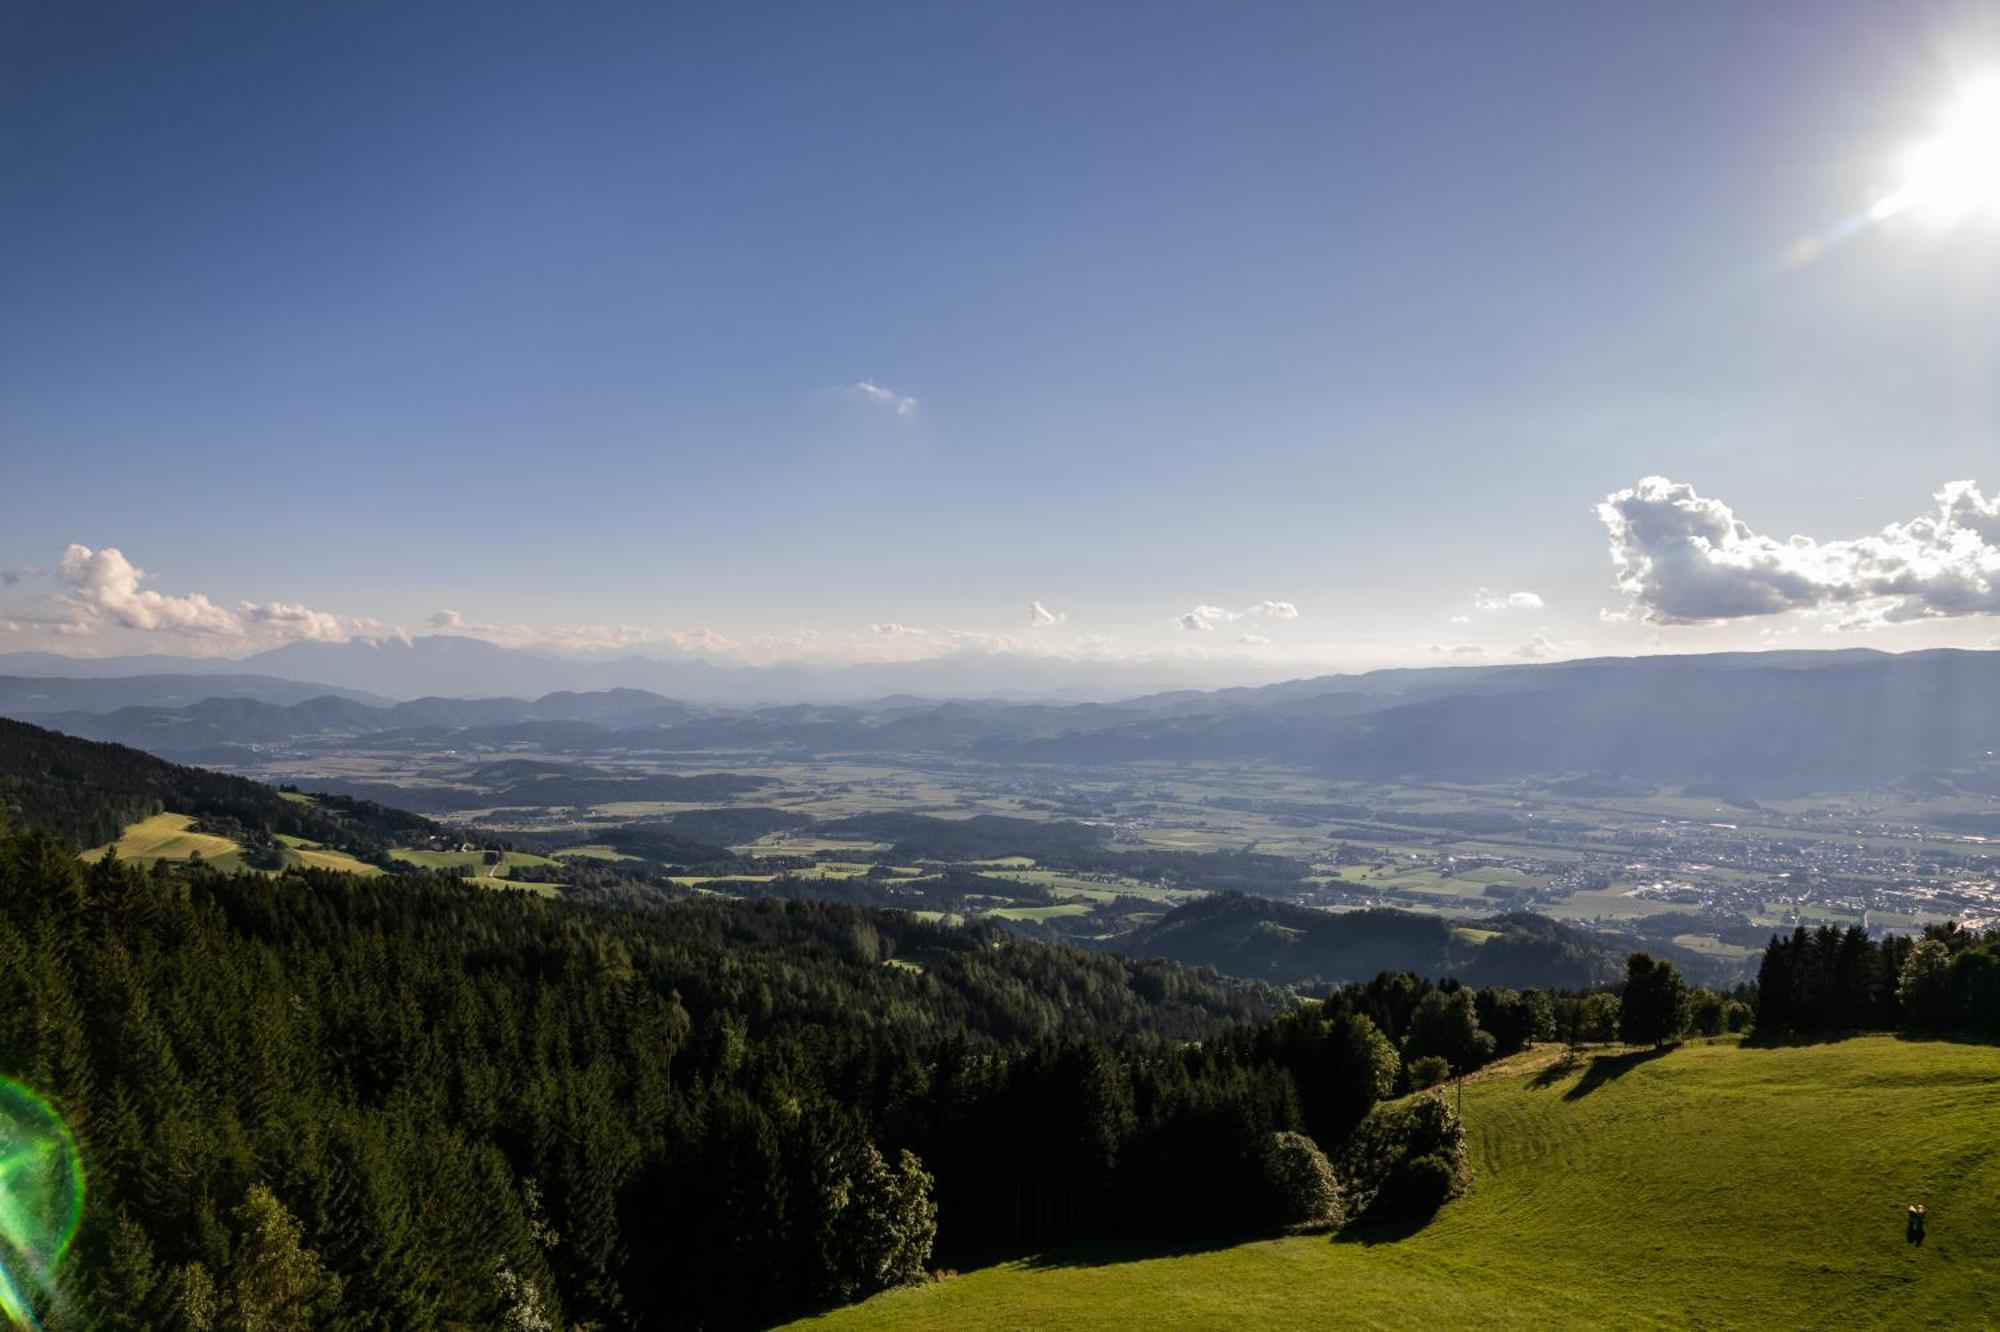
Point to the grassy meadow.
(1714, 1185)
(169, 837)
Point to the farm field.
(312, 855)
(507, 867)
(1589, 1211)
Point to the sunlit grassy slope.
(167, 837)
(1714, 1186)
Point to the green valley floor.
(1715, 1185)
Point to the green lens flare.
(41, 1197)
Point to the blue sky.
(554, 317)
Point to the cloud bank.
(1682, 558)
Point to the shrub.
(1381, 1173)
(1417, 1187)
(1707, 1014)
(1304, 1189)
(1428, 1071)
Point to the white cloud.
(103, 585)
(1252, 640)
(1458, 650)
(1041, 617)
(1685, 559)
(1499, 601)
(1203, 618)
(894, 630)
(1461, 619)
(901, 404)
(296, 621)
(1536, 648)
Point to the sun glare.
(1953, 176)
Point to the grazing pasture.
(1712, 1185)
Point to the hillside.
(1274, 941)
(1589, 1210)
(87, 793)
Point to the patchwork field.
(1591, 1209)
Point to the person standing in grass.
(1914, 1231)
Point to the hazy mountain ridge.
(1775, 717)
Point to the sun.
(1953, 176)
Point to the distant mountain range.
(454, 666)
(1782, 719)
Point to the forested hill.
(325, 1100)
(1288, 945)
(86, 792)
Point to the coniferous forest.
(324, 1100)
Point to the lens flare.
(1953, 176)
(41, 1198)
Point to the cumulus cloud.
(1487, 600)
(292, 620)
(101, 591)
(901, 404)
(1252, 640)
(1041, 617)
(1686, 559)
(894, 630)
(104, 585)
(1203, 618)
(1536, 648)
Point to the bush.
(1707, 1014)
(1304, 1189)
(1417, 1187)
(1390, 1167)
(1428, 1071)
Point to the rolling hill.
(88, 793)
(1591, 1209)
(1264, 939)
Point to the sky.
(1340, 335)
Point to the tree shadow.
(1371, 1231)
(1605, 1068)
(1554, 1073)
(1110, 1253)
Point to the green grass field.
(1713, 1186)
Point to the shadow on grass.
(1109, 1253)
(1787, 1040)
(1606, 1068)
(1370, 1231)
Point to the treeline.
(1832, 979)
(327, 1100)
